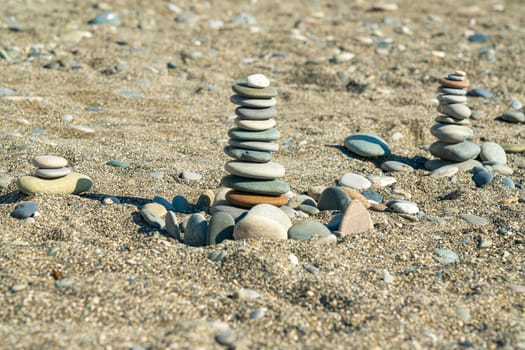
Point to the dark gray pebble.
(25, 210)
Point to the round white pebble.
(257, 81)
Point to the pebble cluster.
(52, 176)
(253, 176)
(454, 143)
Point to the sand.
(124, 284)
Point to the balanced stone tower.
(451, 130)
(253, 176)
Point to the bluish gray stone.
(308, 209)
(196, 231)
(367, 145)
(455, 110)
(256, 113)
(493, 152)
(248, 155)
(372, 195)
(307, 229)
(445, 256)
(163, 201)
(107, 17)
(474, 219)
(181, 205)
(247, 135)
(507, 182)
(333, 198)
(118, 163)
(481, 92)
(457, 152)
(335, 222)
(395, 166)
(451, 133)
(24, 210)
(482, 176)
(451, 91)
(6, 91)
(244, 184)
(478, 38)
(513, 117)
(220, 228)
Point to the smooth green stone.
(367, 145)
(306, 230)
(248, 155)
(268, 187)
(220, 228)
(246, 135)
(74, 183)
(445, 119)
(244, 90)
(456, 152)
(514, 117)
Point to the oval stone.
(196, 231)
(257, 81)
(256, 125)
(333, 198)
(247, 135)
(243, 89)
(451, 91)
(395, 166)
(455, 110)
(444, 171)
(223, 206)
(456, 152)
(449, 99)
(513, 117)
(445, 119)
(356, 219)
(152, 219)
(306, 230)
(263, 171)
(256, 113)
(492, 152)
(455, 84)
(255, 145)
(49, 162)
(248, 200)
(450, 133)
(403, 207)
(367, 145)
(220, 228)
(259, 227)
(248, 155)
(74, 183)
(355, 181)
(156, 208)
(273, 213)
(24, 210)
(265, 187)
(52, 173)
(253, 102)
(482, 176)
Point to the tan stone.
(248, 200)
(255, 226)
(353, 194)
(455, 84)
(356, 219)
(156, 208)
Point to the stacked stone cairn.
(452, 131)
(253, 176)
(52, 176)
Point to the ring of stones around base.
(248, 200)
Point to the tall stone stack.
(253, 176)
(451, 130)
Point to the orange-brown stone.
(455, 84)
(248, 200)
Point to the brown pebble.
(353, 194)
(57, 274)
(248, 200)
(453, 83)
(513, 148)
(509, 201)
(378, 207)
(409, 217)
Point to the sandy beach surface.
(153, 91)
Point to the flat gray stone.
(253, 102)
(391, 166)
(451, 91)
(403, 207)
(269, 135)
(243, 89)
(264, 187)
(225, 207)
(445, 256)
(513, 117)
(152, 219)
(449, 99)
(445, 119)
(52, 173)
(474, 219)
(24, 210)
(333, 198)
(255, 145)
(493, 152)
(248, 155)
(256, 113)
(220, 228)
(367, 145)
(49, 162)
(263, 171)
(450, 133)
(307, 229)
(457, 152)
(196, 231)
(455, 110)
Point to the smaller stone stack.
(52, 176)
(253, 176)
(451, 130)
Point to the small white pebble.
(293, 259)
(257, 81)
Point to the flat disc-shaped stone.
(248, 155)
(449, 99)
(49, 162)
(450, 133)
(52, 173)
(248, 200)
(256, 113)
(253, 102)
(244, 90)
(455, 84)
(451, 91)
(456, 152)
(255, 125)
(263, 171)
(265, 187)
(445, 119)
(367, 145)
(455, 110)
(255, 145)
(247, 135)
(73, 183)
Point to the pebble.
(451, 133)
(224, 206)
(356, 219)
(253, 102)
(25, 210)
(117, 163)
(248, 155)
(450, 99)
(259, 227)
(156, 208)
(395, 166)
(387, 277)
(255, 145)
(52, 251)
(152, 219)
(462, 313)
(255, 125)
(455, 110)
(220, 228)
(52, 173)
(484, 243)
(218, 256)
(481, 92)
(67, 118)
(196, 231)
(343, 57)
(444, 171)
(181, 205)
(263, 171)
(74, 183)
(257, 314)
(256, 113)
(513, 117)
(403, 206)
(384, 6)
(306, 230)
(333, 198)
(467, 165)
(18, 287)
(478, 38)
(5, 181)
(190, 176)
(64, 283)
(49, 162)
(454, 84)
(273, 213)
(513, 148)
(481, 176)
(382, 180)
(131, 94)
(205, 200)
(493, 152)
(354, 195)
(474, 219)
(517, 288)
(163, 201)
(257, 81)
(477, 115)
(109, 18)
(445, 119)
(268, 135)
(6, 91)
(248, 200)
(507, 182)
(457, 152)
(226, 338)
(367, 145)
(355, 181)
(445, 256)
(308, 209)
(82, 128)
(171, 225)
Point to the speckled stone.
(367, 145)
(271, 134)
(243, 89)
(264, 187)
(457, 152)
(306, 230)
(253, 102)
(256, 113)
(74, 183)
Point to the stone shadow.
(13, 197)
